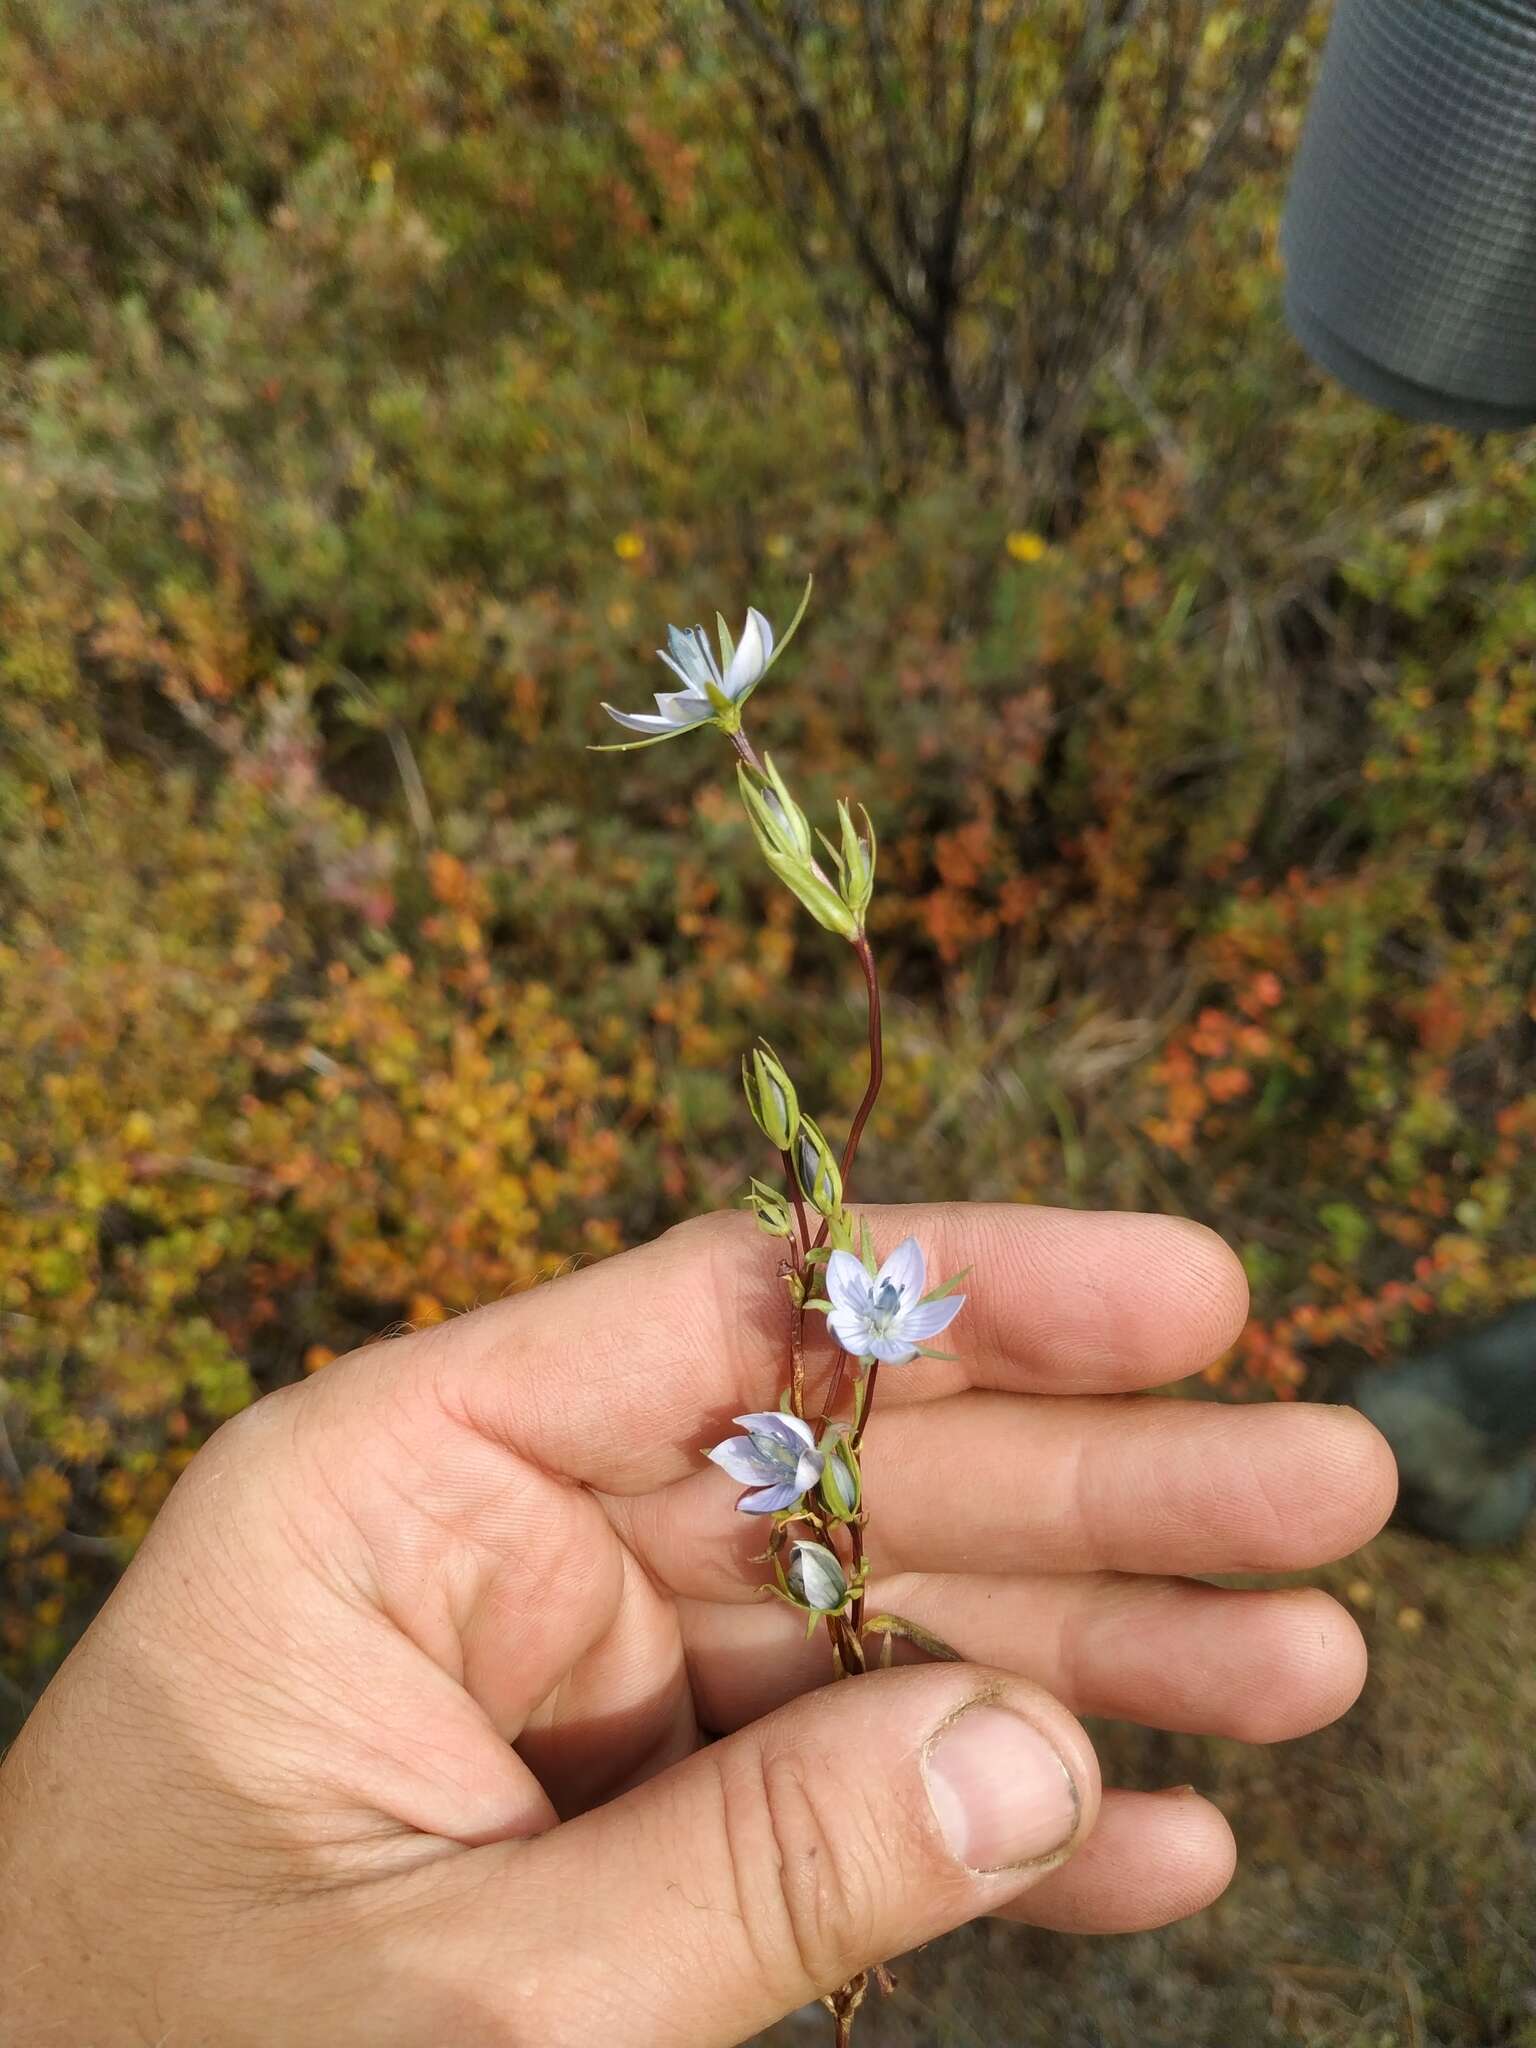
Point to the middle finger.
(1006, 1483)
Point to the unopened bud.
(771, 1210)
(817, 1171)
(816, 1579)
(841, 1486)
(771, 1098)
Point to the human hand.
(395, 1731)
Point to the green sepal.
(938, 1293)
(856, 863)
(818, 896)
(867, 1248)
(727, 644)
(790, 630)
(842, 1501)
(798, 824)
(783, 831)
(657, 739)
(771, 1209)
(839, 1233)
(770, 1096)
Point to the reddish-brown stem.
(797, 1359)
(856, 1131)
(856, 1538)
(869, 1395)
(876, 1057)
(748, 753)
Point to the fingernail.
(999, 1792)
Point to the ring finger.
(1168, 1653)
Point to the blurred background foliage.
(376, 380)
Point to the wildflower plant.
(800, 1465)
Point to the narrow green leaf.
(793, 627)
(657, 739)
(938, 1293)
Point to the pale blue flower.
(706, 689)
(884, 1316)
(815, 1576)
(777, 1457)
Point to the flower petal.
(745, 1465)
(818, 1577)
(891, 1349)
(644, 721)
(926, 1318)
(753, 651)
(687, 657)
(851, 1330)
(809, 1470)
(848, 1285)
(682, 707)
(767, 1500)
(689, 686)
(904, 1271)
(785, 1429)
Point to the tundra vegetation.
(373, 377)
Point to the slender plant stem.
(748, 753)
(855, 1133)
(876, 1056)
(869, 1395)
(797, 1359)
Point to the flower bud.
(841, 1485)
(781, 826)
(817, 1171)
(816, 1579)
(771, 1210)
(771, 1098)
(857, 862)
(784, 836)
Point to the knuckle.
(802, 1885)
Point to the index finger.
(619, 1375)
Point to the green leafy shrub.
(378, 380)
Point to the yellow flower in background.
(1025, 546)
(629, 547)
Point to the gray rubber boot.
(1410, 229)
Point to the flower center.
(884, 1308)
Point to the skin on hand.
(396, 1731)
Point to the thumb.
(769, 1868)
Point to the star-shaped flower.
(777, 1457)
(692, 660)
(884, 1316)
(714, 688)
